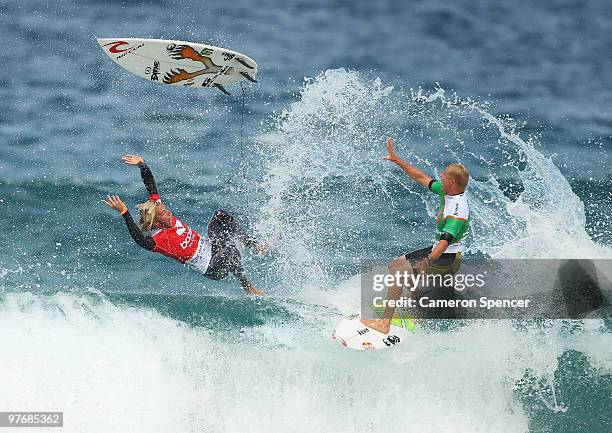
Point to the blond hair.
(459, 173)
(147, 214)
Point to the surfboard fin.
(220, 87)
(243, 63)
(248, 77)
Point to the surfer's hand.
(132, 159)
(114, 202)
(391, 155)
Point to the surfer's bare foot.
(380, 325)
(252, 290)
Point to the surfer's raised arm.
(414, 173)
(114, 202)
(145, 174)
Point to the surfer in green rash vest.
(452, 224)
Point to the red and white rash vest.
(178, 242)
(184, 244)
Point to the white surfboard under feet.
(353, 334)
(180, 63)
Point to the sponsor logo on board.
(154, 71)
(115, 47)
(122, 48)
(392, 340)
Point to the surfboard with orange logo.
(180, 63)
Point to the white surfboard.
(180, 63)
(353, 334)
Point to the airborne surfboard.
(180, 63)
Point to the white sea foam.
(107, 368)
(115, 368)
(329, 197)
(546, 221)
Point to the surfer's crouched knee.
(224, 261)
(398, 264)
(222, 216)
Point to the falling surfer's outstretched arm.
(149, 181)
(145, 174)
(147, 242)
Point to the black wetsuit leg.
(223, 230)
(226, 260)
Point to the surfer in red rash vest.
(215, 255)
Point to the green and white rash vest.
(453, 217)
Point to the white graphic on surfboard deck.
(180, 63)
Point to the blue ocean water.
(120, 339)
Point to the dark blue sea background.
(124, 340)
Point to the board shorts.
(447, 263)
